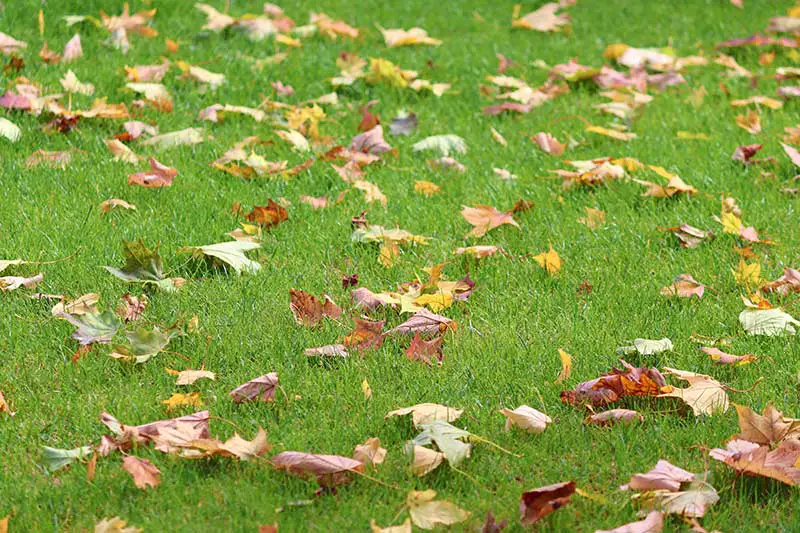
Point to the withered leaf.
(609, 388)
(614, 416)
(485, 218)
(537, 503)
(652, 523)
(261, 388)
(370, 452)
(427, 513)
(329, 470)
(145, 474)
(268, 215)
(526, 418)
(758, 460)
(425, 413)
(663, 476)
(158, 176)
(424, 322)
(309, 311)
(428, 352)
(704, 395)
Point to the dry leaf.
(653, 523)
(548, 143)
(187, 377)
(261, 388)
(428, 513)
(527, 418)
(611, 387)
(544, 19)
(684, 286)
(425, 413)
(704, 395)
(549, 260)
(113, 203)
(428, 352)
(750, 122)
(329, 470)
(370, 453)
(400, 37)
(537, 503)
(191, 399)
(485, 218)
(614, 416)
(566, 366)
(309, 311)
(425, 460)
(158, 176)
(145, 474)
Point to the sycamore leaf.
(144, 265)
(769, 322)
(144, 473)
(425, 413)
(267, 216)
(771, 427)
(9, 130)
(443, 143)
(93, 327)
(425, 460)
(652, 523)
(55, 458)
(538, 503)
(142, 345)
(428, 513)
(230, 253)
(309, 311)
(704, 395)
(484, 218)
(370, 453)
(261, 388)
(526, 418)
(329, 470)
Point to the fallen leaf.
(544, 19)
(684, 286)
(9, 130)
(527, 418)
(329, 470)
(399, 37)
(309, 311)
(113, 203)
(750, 122)
(424, 322)
(158, 176)
(261, 389)
(187, 377)
(187, 136)
(548, 143)
(549, 260)
(4, 407)
(663, 476)
(428, 352)
(769, 428)
(537, 503)
(769, 322)
(445, 144)
(484, 218)
(405, 527)
(55, 458)
(425, 460)
(722, 358)
(616, 384)
(425, 413)
(144, 473)
(614, 416)
(653, 523)
(759, 460)
(370, 453)
(144, 265)
(230, 253)
(269, 215)
(704, 395)
(427, 513)
(143, 345)
(115, 525)
(566, 366)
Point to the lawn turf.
(504, 352)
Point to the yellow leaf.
(692, 136)
(366, 389)
(427, 188)
(436, 302)
(731, 223)
(620, 136)
(566, 366)
(747, 275)
(288, 41)
(191, 399)
(549, 260)
(388, 253)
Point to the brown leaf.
(51, 159)
(425, 460)
(613, 416)
(331, 350)
(704, 395)
(113, 203)
(543, 19)
(653, 523)
(548, 143)
(158, 176)
(329, 470)
(261, 388)
(771, 427)
(722, 358)
(663, 476)
(4, 407)
(427, 352)
(371, 142)
(145, 474)
(367, 334)
(750, 122)
(684, 286)
(752, 459)
(425, 322)
(538, 503)
(491, 525)
(268, 215)
(689, 236)
(485, 218)
(793, 153)
(745, 153)
(428, 513)
(787, 284)
(611, 387)
(320, 202)
(309, 311)
(370, 453)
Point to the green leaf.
(143, 345)
(93, 327)
(231, 253)
(55, 458)
(447, 439)
(144, 265)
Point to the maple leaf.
(722, 358)
(548, 143)
(191, 399)
(770, 428)
(261, 388)
(230, 253)
(485, 218)
(750, 122)
(526, 418)
(652, 523)
(443, 143)
(663, 476)
(611, 387)
(689, 236)
(269, 215)
(122, 152)
(544, 19)
(188, 136)
(329, 470)
(144, 473)
(788, 283)
(55, 458)
(614, 416)
(425, 460)
(426, 188)
(537, 503)
(366, 335)
(79, 306)
(158, 176)
(549, 260)
(309, 311)
(769, 322)
(131, 307)
(425, 413)
(51, 159)
(72, 84)
(371, 142)
(93, 327)
(399, 37)
(427, 513)
(187, 377)
(144, 265)
(758, 460)
(425, 322)
(647, 346)
(425, 351)
(370, 453)
(684, 286)
(704, 395)
(215, 113)
(143, 345)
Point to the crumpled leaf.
(309, 311)
(143, 345)
(261, 388)
(230, 253)
(425, 413)
(55, 458)
(663, 476)
(329, 470)
(692, 502)
(331, 350)
(370, 452)
(769, 322)
(399, 37)
(426, 351)
(144, 473)
(158, 176)
(704, 395)
(424, 322)
(753, 459)
(427, 513)
(144, 265)
(267, 216)
(191, 399)
(750, 122)
(684, 286)
(443, 143)
(689, 236)
(611, 387)
(527, 418)
(79, 306)
(537, 503)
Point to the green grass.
(505, 350)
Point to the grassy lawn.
(504, 352)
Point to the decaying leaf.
(647, 347)
(4, 407)
(609, 388)
(537, 503)
(12, 283)
(445, 144)
(425, 460)
(400, 37)
(370, 453)
(309, 311)
(187, 377)
(143, 345)
(144, 473)
(261, 389)
(723, 358)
